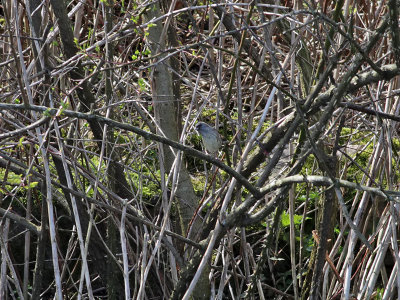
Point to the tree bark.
(166, 108)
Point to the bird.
(211, 138)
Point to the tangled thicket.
(105, 191)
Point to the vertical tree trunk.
(166, 108)
(114, 278)
(115, 173)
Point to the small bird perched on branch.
(211, 138)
